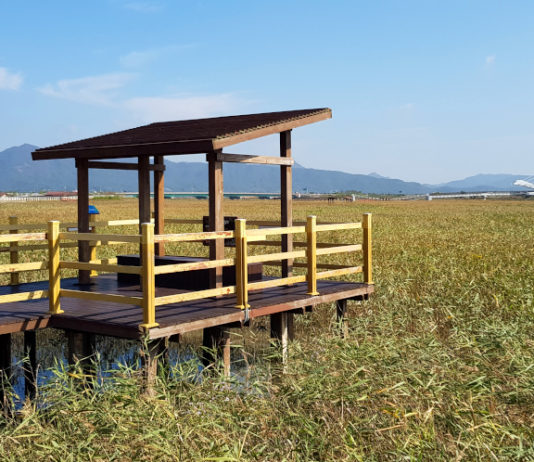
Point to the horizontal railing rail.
(135, 238)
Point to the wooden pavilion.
(200, 136)
(99, 305)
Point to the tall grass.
(439, 364)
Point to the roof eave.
(222, 142)
(130, 150)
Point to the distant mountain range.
(19, 173)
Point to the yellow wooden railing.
(309, 249)
(14, 267)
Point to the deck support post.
(341, 311)
(215, 345)
(159, 198)
(81, 347)
(282, 332)
(216, 218)
(30, 365)
(84, 252)
(152, 351)
(5, 371)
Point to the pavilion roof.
(183, 136)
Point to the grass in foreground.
(438, 365)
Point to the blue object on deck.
(93, 210)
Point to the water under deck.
(119, 320)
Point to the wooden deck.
(121, 320)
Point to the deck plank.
(119, 320)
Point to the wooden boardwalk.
(119, 320)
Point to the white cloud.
(137, 59)
(8, 80)
(98, 89)
(104, 90)
(490, 60)
(144, 6)
(153, 109)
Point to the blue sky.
(428, 91)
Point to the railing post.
(92, 248)
(311, 254)
(367, 249)
(148, 283)
(54, 273)
(241, 265)
(14, 254)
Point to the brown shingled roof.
(184, 136)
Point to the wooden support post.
(143, 174)
(14, 254)
(286, 198)
(282, 323)
(152, 351)
(367, 249)
(148, 281)
(80, 349)
(54, 272)
(5, 372)
(311, 254)
(282, 331)
(216, 344)
(84, 253)
(30, 364)
(159, 198)
(216, 218)
(341, 310)
(143, 177)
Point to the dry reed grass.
(439, 364)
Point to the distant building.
(69, 194)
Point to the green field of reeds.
(438, 364)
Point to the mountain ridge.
(20, 173)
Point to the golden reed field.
(438, 364)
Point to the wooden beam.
(249, 159)
(159, 198)
(84, 251)
(216, 218)
(124, 165)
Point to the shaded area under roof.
(184, 136)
